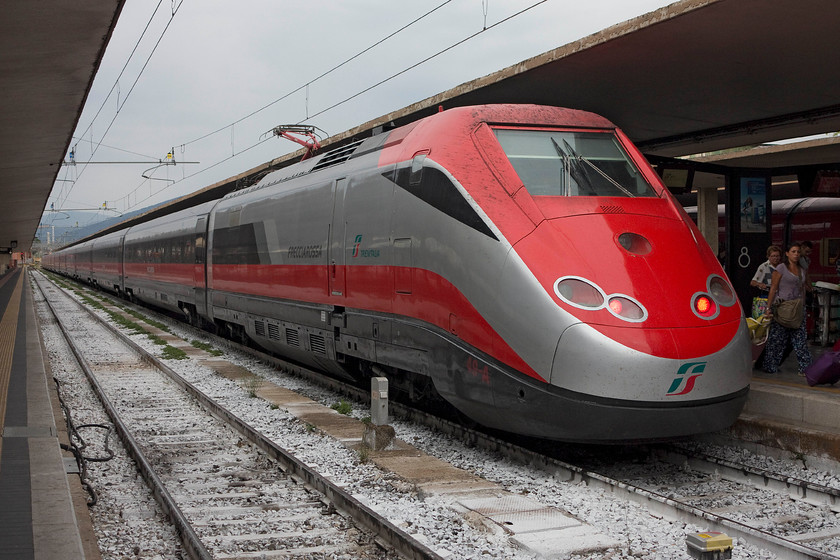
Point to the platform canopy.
(695, 76)
(49, 53)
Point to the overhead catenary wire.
(347, 99)
(120, 149)
(137, 79)
(323, 75)
(305, 86)
(427, 59)
(95, 147)
(127, 61)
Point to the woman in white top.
(764, 275)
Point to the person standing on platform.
(763, 278)
(837, 265)
(788, 283)
(805, 262)
(805, 257)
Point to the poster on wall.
(753, 205)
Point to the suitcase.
(824, 371)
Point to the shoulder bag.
(788, 313)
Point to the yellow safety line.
(8, 332)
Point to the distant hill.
(73, 225)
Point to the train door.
(121, 265)
(337, 258)
(199, 268)
(403, 267)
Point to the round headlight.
(625, 308)
(721, 291)
(578, 292)
(584, 294)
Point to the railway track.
(792, 518)
(789, 517)
(230, 492)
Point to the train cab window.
(572, 163)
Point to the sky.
(208, 79)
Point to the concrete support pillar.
(707, 216)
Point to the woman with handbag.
(786, 304)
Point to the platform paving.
(784, 413)
(37, 517)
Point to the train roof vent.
(339, 155)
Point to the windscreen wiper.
(596, 168)
(574, 168)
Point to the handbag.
(825, 370)
(759, 306)
(789, 313)
(759, 328)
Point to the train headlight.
(583, 294)
(625, 308)
(721, 291)
(579, 292)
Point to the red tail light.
(704, 306)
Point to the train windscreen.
(572, 163)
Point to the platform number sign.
(748, 212)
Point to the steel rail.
(795, 488)
(389, 535)
(658, 503)
(192, 543)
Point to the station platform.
(43, 512)
(783, 412)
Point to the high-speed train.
(525, 263)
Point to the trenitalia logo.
(364, 253)
(686, 377)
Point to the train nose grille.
(614, 209)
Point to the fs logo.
(684, 381)
(358, 243)
(364, 253)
